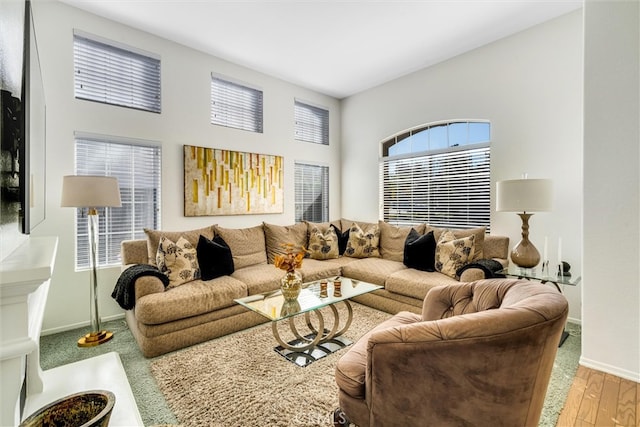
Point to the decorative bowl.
(85, 409)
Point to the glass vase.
(290, 285)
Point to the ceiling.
(336, 47)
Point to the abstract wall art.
(225, 182)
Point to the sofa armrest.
(146, 285)
(472, 274)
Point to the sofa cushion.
(393, 238)
(247, 245)
(190, 299)
(214, 258)
(415, 283)
(420, 251)
(313, 270)
(153, 239)
(459, 233)
(178, 260)
(278, 235)
(346, 224)
(322, 226)
(453, 253)
(260, 278)
(363, 243)
(352, 366)
(372, 270)
(323, 245)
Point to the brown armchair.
(481, 353)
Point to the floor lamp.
(524, 195)
(92, 192)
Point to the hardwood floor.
(600, 400)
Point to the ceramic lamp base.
(525, 255)
(95, 338)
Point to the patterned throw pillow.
(323, 245)
(453, 253)
(177, 260)
(363, 243)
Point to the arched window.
(438, 173)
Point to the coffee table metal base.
(305, 349)
(306, 357)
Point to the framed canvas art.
(225, 182)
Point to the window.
(235, 106)
(438, 174)
(115, 75)
(312, 192)
(137, 165)
(311, 123)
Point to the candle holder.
(323, 289)
(337, 291)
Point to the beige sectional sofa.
(169, 318)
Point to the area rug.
(239, 380)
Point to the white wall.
(530, 87)
(611, 292)
(184, 120)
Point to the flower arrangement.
(291, 259)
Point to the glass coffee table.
(320, 340)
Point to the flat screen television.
(22, 123)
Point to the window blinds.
(312, 193)
(311, 123)
(236, 106)
(451, 189)
(137, 168)
(114, 75)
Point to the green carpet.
(59, 349)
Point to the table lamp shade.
(87, 191)
(524, 195)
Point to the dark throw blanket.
(124, 292)
(489, 266)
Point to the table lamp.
(526, 196)
(92, 192)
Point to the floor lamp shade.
(86, 191)
(524, 196)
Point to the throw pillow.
(214, 258)
(460, 233)
(363, 243)
(153, 239)
(343, 238)
(177, 260)
(420, 251)
(323, 245)
(453, 253)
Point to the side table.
(537, 274)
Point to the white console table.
(25, 275)
(24, 283)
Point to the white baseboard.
(613, 370)
(574, 320)
(73, 326)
